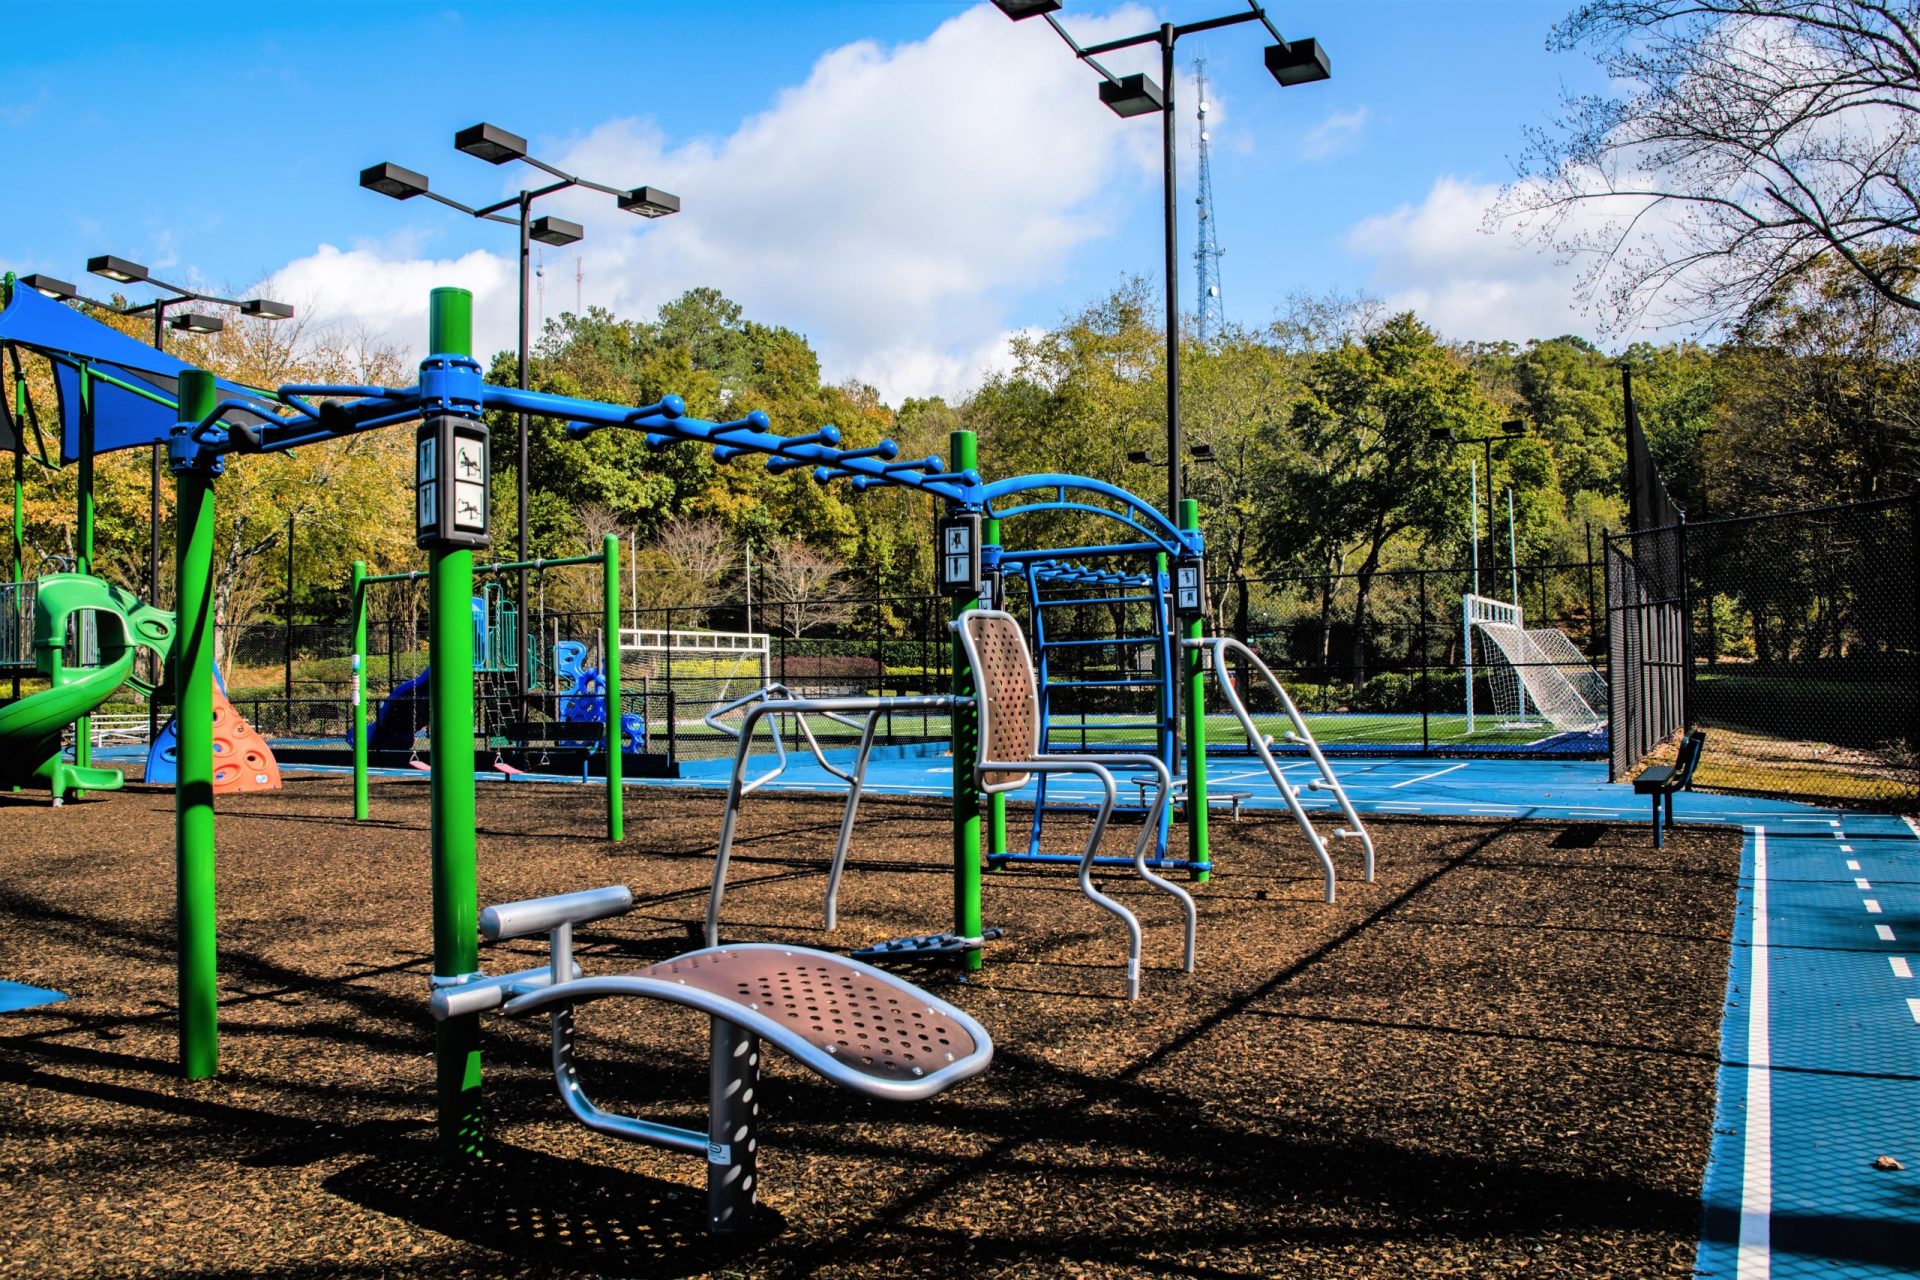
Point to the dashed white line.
(1873, 907)
(1846, 848)
(1913, 1007)
(1900, 967)
(1852, 865)
(1886, 934)
(1860, 882)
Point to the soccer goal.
(703, 669)
(1538, 677)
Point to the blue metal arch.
(1134, 513)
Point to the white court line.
(1860, 882)
(1846, 848)
(1873, 907)
(1852, 865)
(1913, 1007)
(1911, 826)
(1886, 934)
(1425, 777)
(1754, 1257)
(1901, 969)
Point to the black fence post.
(1426, 684)
(1685, 574)
(673, 717)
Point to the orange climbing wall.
(242, 761)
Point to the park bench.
(1234, 800)
(1662, 780)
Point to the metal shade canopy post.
(964, 453)
(456, 907)
(1289, 62)
(491, 143)
(192, 664)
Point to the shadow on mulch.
(541, 1210)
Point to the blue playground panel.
(1832, 1080)
(18, 995)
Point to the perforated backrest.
(1004, 690)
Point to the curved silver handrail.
(738, 787)
(1221, 646)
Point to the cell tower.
(1206, 252)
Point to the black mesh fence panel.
(1805, 653)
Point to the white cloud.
(890, 206)
(1436, 259)
(1337, 133)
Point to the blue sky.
(906, 181)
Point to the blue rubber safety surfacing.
(1820, 1056)
(18, 995)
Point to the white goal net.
(706, 667)
(1536, 676)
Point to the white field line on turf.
(1754, 1256)
(1425, 777)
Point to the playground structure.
(213, 423)
(1535, 667)
(66, 606)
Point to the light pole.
(1510, 430)
(1290, 62)
(125, 271)
(496, 146)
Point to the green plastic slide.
(30, 729)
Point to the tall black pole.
(1493, 567)
(520, 589)
(287, 636)
(153, 534)
(1169, 160)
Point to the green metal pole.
(1197, 843)
(616, 799)
(456, 909)
(997, 802)
(83, 727)
(19, 499)
(964, 456)
(357, 708)
(192, 664)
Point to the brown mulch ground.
(1499, 1059)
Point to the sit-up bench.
(1234, 800)
(1661, 781)
(848, 1022)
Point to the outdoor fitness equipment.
(208, 421)
(32, 728)
(772, 704)
(1133, 664)
(1009, 750)
(847, 1022)
(1221, 649)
